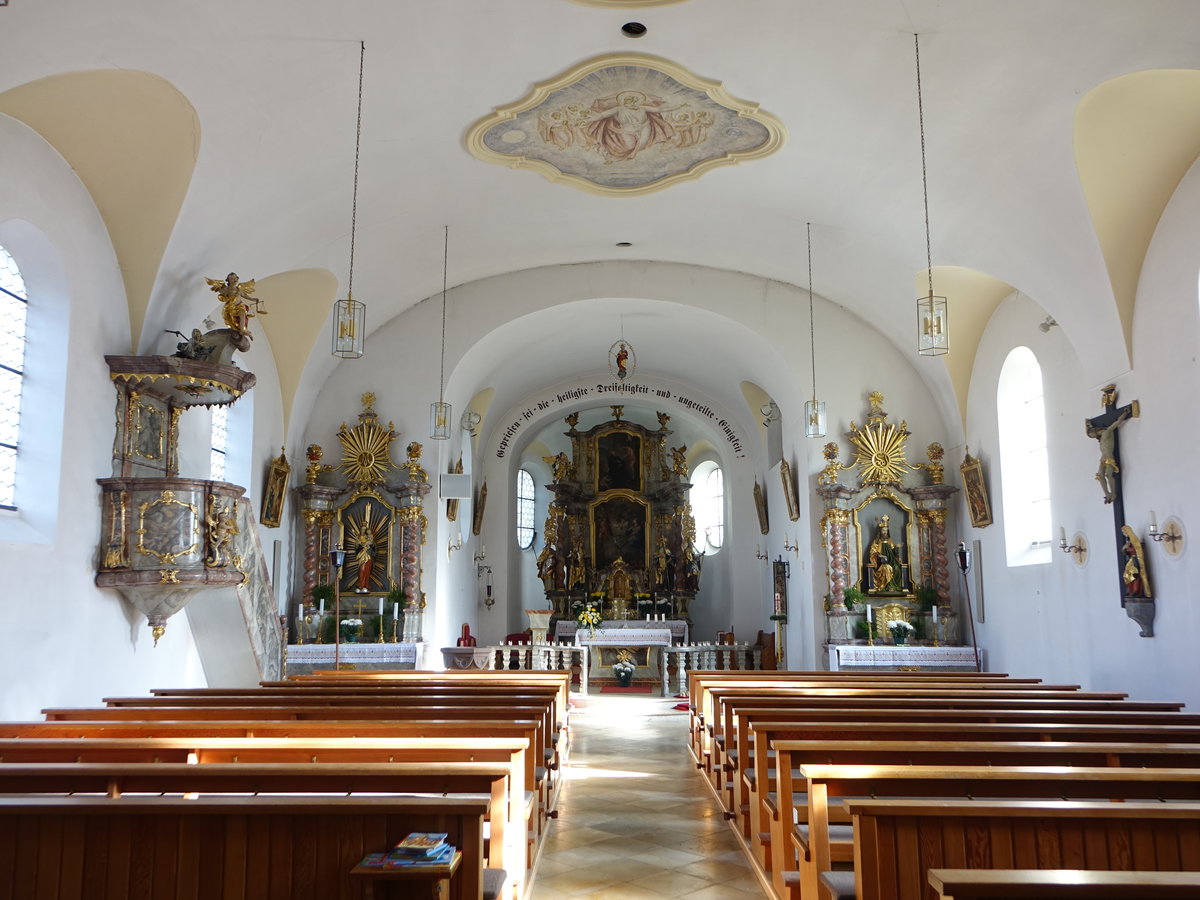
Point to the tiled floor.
(636, 820)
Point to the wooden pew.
(791, 755)
(1062, 884)
(915, 724)
(700, 682)
(199, 751)
(818, 845)
(897, 842)
(412, 720)
(228, 848)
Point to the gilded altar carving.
(221, 522)
(366, 448)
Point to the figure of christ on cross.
(1104, 428)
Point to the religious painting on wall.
(619, 528)
(789, 491)
(625, 124)
(275, 491)
(619, 462)
(477, 512)
(976, 492)
(760, 506)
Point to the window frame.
(526, 508)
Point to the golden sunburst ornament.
(880, 446)
(366, 448)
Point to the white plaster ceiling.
(273, 87)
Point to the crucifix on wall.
(1105, 429)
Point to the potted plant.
(322, 594)
(852, 595)
(351, 630)
(928, 597)
(862, 630)
(623, 670)
(900, 631)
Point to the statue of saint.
(577, 574)
(238, 303)
(883, 561)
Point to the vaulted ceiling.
(220, 136)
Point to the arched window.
(525, 501)
(1024, 463)
(13, 306)
(707, 497)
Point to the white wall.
(69, 643)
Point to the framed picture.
(789, 491)
(275, 491)
(480, 503)
(760, 504)
(976, 490)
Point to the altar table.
(302, 658)
(565, 629)
(631, 637)
(905, 657)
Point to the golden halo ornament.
(880, 456)
(622, 360)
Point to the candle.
(1062, 536)
(395, 610)
(647, 617)
(381, 607)
(1153, 521)
(869, 613)
(935, 614)
(322, 606)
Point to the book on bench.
(422, 844)
(396, 860)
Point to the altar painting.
(620, 525)
(883, 525)
(619, 462)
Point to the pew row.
(821, 842)
(1062, 884)
(897, 842)
(219, 848)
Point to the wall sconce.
(1079, 548)
(481, 555)
(758, 554)
(1170, 536)
(454, 544)
(795, 548)
(485, 572)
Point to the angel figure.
(238, 302)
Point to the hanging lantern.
(349, 321)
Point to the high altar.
(885, 537)
(619, 532)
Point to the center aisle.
(636, 820)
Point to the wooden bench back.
(898, 841)
(231, 848)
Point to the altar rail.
(681, 658)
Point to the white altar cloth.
(566, 629)
(888, 656)
(400, 655)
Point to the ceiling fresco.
(625, 125)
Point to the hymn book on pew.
(395, 859)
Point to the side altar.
(619, 533)
(884, 536)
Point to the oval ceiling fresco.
(625, 124)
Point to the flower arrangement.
(623, 669)
(901, 630)
(351, 629)
(589, 617)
